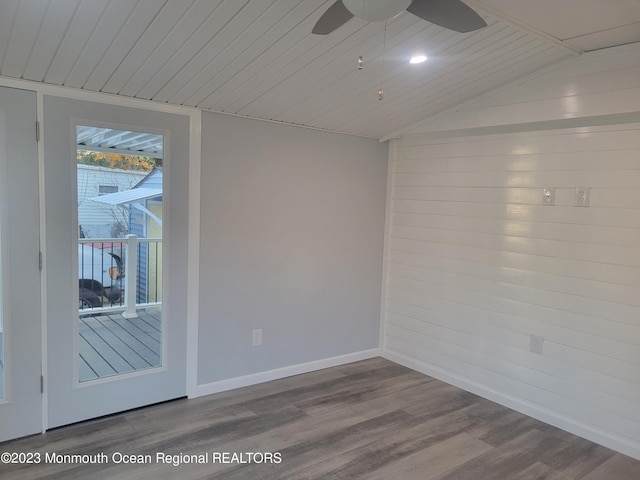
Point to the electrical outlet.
(256, 337)
(582, 197)
(536, 343)
(548, 196)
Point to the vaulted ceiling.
(259, 59)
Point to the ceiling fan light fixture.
(376, 10)
(418, 59)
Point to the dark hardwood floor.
(367, 420)
(1, 366)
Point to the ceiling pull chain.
(360, 62)
(384, 49)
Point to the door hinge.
(40, 260)
(37, 131)
(41, 383)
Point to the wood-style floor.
(367, 420)
(110, 344)
(1, 366)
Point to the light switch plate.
(536, 344)
(548, 196)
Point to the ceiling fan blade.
(451, 14)
(335, 16)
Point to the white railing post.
(130, 277)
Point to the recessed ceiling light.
(418, 59)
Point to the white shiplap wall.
(476, 264)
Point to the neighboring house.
(143, 204)
(149, 225)
(100, 220)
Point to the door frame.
(193, 266)
(22, 393)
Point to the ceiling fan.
(451, 14)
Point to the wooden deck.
(112, 345)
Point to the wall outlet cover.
(256, 337)
(548, 196)
(582, 196)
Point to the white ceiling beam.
(514, 22)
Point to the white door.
(100, 359)
(20, 316)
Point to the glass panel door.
(116, 248)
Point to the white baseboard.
(539, 412)
(260, 377)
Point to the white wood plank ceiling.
(259, 59)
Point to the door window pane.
(119, 181)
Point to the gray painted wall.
(292, 230)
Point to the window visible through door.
(120, 186)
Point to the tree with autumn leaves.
(116, 160)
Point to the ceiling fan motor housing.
(376, 10)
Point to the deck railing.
(119, 274)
